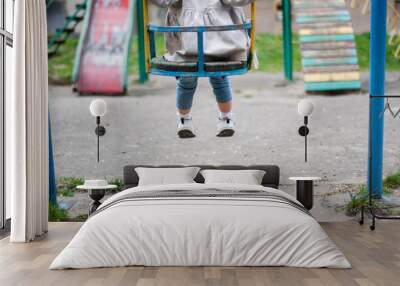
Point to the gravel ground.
(141, 130)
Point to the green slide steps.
(324, 13)
(318, 4)
(314, 19)
(329, 53)
(49, 3)
(333, 85)
(70, 24)
(326, 38)
(329, 61)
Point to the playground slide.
(101, 65)
(328, 49)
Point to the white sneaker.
(185, 127)
(225, 127)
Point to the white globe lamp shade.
(98, 107)
(305, 107)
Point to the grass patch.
(133, 58)
(392, 181)
(363, 43)
(65, 192)
(357, 201)
(118, 182)
(269, 51)
(70, 183)
(360, 198)
(66, 186)
(79, 218)
(61, 65)
(57, 214)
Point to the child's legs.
(185, 89)
(223, 93)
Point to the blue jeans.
(186, 87)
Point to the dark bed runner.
(206, 194)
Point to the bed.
(201, 224)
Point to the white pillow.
(166, 176)
(247, 177)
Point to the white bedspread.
(200, 232)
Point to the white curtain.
(27, 123)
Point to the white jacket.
(227, 45)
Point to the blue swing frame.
(200, 30)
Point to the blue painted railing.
(200, 30)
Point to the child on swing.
(221, 46)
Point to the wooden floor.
(375, 257)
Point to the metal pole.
(305, 148)
(306, 130)
(377, 89)
(143, 77)
(98, 138)
(52, 177)
(287, 40)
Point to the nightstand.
(96, 194)
(305, 190)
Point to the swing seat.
(202, 67)
(160, 63)
(224, 66)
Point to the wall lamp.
(305, 108)
(98, 108)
